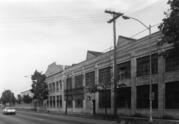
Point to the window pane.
(124, 70)
(124, 97)
(172, 62)
(143, 65)
(105, 75)
(143, 96)
(90, 78)
(69, 83)
(78, 81)
(172, 95)
(105, 99)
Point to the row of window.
(55, 101)
(143, 68)
(124, 70)
(55, 86)
(78, 101)
(78, 82)
(124, 97)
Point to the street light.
(150, 88)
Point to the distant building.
(27, 92)
(67, 86)
(55, 84)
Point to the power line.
(144, 30)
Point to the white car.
(9, 111)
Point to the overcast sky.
(36, 33)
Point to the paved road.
(23, 117)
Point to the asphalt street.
(23, 117)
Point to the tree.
(27, 99)
(19, 98)
(170, 26)
(101, 88)
(39, 87)
(8, 97)
(92, 89)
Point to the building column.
(133, 85)
(84, 84)
(112, 84)
(55, 86)
(161, 85)
(96, 97)
(112, 94)
(63, 92)
(73, 86)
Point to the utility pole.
(150, 85)
(115, 16)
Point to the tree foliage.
(102, 87)
(8, 97)
(39, 87)
(170, 25)
(94, 88)
(19, 99)
(27, 99)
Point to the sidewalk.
(120, 119)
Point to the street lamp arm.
(127, 17)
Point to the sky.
(36, 33)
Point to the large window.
(172, 95)
(105, 75)
(69, 101)
(143, 96)
(53, 101)
(90, 78)
(69, 83)
(105, 99)
(59, 101)
(172, 62)
(53, 87)
(50, 87)
(124, 97)
(143, 65)
(60, 85)
(124, 70)
(57, 86)
(79, 81)
(78, 101)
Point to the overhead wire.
(55, 19)
(111, 47)
(144, 30)
(65, 20)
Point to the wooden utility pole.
(115, 16)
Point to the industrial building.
(68, 86)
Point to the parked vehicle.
(9, 111)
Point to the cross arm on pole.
(113, 12)
(114, 18)
(115, 15)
